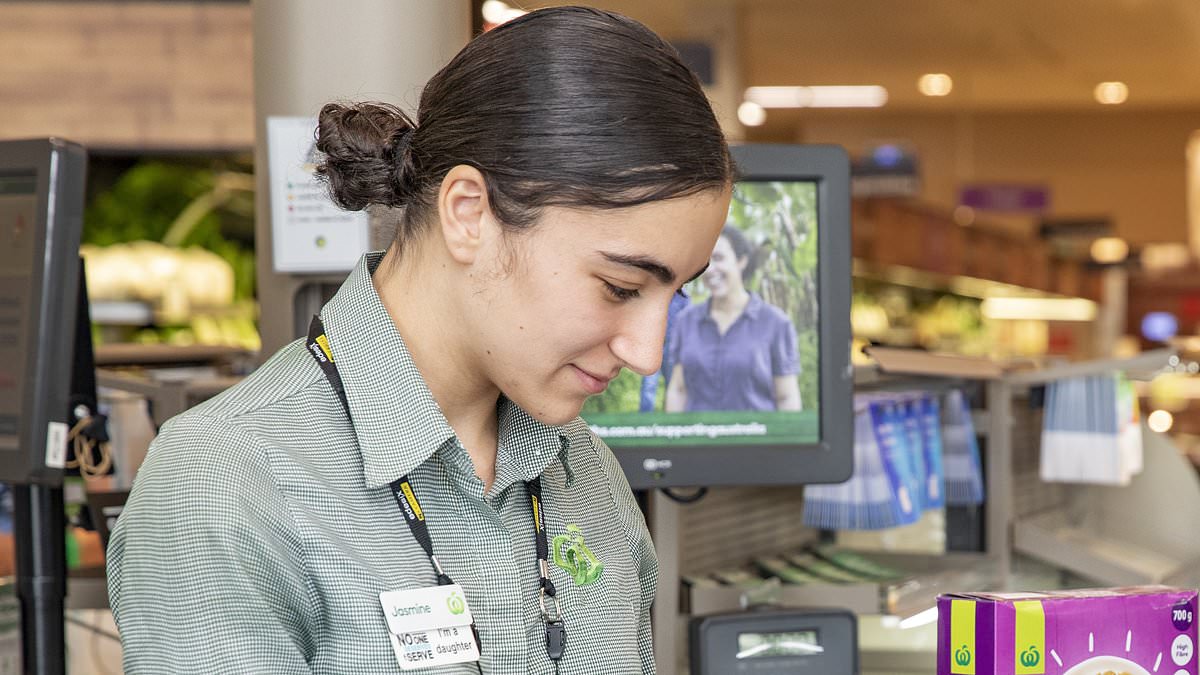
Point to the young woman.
(735, 351)
(419, 460)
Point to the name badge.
(430, 626)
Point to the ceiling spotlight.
(497, 12)
(1038, 309)
(869, 96)
(1111, 93)
(1109, 250)
(1160, 421)
(1155, 257)
(935, 84)
(751, 114)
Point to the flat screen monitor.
(756, 384)
(41, 219)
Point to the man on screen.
(734, 351)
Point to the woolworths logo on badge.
(455, 604)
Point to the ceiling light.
(1109, 250)
(1160, 421)
(1111, 93)
(1155, 257)
(1039, 309)
(964, 215)
(935, 84)
(751, 114)
(870, 96)
(497, 12)
(1160, 326)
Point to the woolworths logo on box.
(1030, 644)
(962, 637)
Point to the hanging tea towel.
(962, 465)
(1088, 432)
(868, 500)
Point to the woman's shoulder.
(197, 452)
(694, 311)
(588, 452)
(773, 315)
(243, 427)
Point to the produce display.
(173, 280)
(190, 293)
(169, 247)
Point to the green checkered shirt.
(261, 529)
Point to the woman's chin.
(555, 413)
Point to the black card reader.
(774, 642)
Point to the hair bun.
(365, 154)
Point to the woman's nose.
(639, 345)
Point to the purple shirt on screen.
(737, 370)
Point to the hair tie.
(400, 141)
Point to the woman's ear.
(464, 214)
(743, 262)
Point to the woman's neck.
(731, 303)
(425, 319)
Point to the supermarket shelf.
(1142, 366)
(873, 377)
(1100, 556)
(168, 398)
(130, 354)
(121, 313)
(928, 576)
(860, 598)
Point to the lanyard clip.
(547, 588)
(550, 617)
(556, 639)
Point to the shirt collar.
(396, 420)
(526, 444)
(751, 310)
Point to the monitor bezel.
(60, 167)
(830, 458)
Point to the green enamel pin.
(577, 560)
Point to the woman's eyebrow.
(644, 263)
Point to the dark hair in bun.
(566, 106)
(364, 146)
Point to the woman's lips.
(591, 383)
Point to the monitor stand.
(40, 525)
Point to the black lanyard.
(414, 515)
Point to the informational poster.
(18, 211)
(310, 234)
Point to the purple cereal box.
(1144, 630)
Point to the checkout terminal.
(41, 221)
(775, 642)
